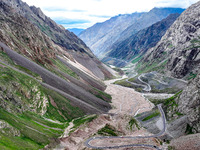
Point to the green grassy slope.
(24, 106)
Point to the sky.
(85, 13)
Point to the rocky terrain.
(18, 33)
(28, 40)
(140, 42)
(102, 36)
(177, 54)
(60, 36)
(51, 88)
(124, 107)
(56, 32)
(188, 104)
(186, 142)
(179, 47)
(48, 77)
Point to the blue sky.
(85, 13)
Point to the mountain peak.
(38, 12)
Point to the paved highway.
(87, 143)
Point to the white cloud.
(99, 10)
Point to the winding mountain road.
(146, 86)
(87, 143)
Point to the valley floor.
(126, 103)
(126, 100)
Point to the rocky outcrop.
(25, 38)
(7, 129)
(139, 43)
(183, 112)
(189, 142)
(189, 104)
(180, 45)
(13, 103)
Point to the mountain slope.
(149, 18)
(107, 32)
(44, 85)
(60, 36)
(102, 36)
(57, 33)
(179, 47)
(139, 43)
(178, 54)
(189, 104)
(25, 38)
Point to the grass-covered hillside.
(25, 105)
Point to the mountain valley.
(55, 93)
(137, 44)
(120, 28)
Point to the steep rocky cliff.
(139, 43)
(102, 36)
(25, 38)
(183, 110)
(189, 104)
(179, 47)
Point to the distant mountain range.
(103, 36)
(76, 31)
(136, 45)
